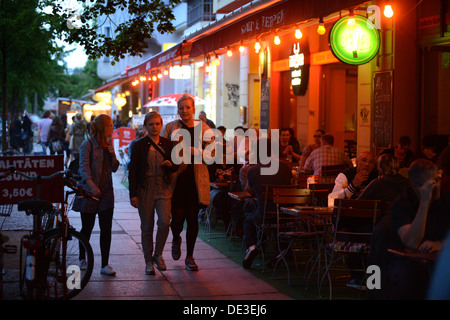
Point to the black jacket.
(138, 160)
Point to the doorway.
(338, 104)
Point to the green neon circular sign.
(355, 43)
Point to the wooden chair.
(367, 212)
(320, 192)
(329, 173)
(285, 231)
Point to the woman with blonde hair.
(192, 185)
(97, 162)
(151, 188)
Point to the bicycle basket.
(5, 210)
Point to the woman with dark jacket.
(97, 163)
(56, 136)
(151, 188)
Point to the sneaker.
(82, 264)
(159, 262)
(176, 249)
(250, 254)
(149, 269)
(356, 284)
(108, 270)
(190, 264)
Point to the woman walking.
(97, 162)
(151, 188)
(56, 136)
(192, 185)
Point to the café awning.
(160, 60)
(244, 25)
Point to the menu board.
(382, 109)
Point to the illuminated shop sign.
(356, 42)
(299, 67)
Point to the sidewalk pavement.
(218, 277)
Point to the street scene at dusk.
(231, 157)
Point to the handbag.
(57, 146)
(68, 137)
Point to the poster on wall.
(265, 103)
(382, 110)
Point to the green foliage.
(130, 36)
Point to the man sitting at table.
(219, 199)
(351, 181)
(326, 155)
(256, 180)
(348, 185)
(420, 221)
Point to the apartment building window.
(200, 10)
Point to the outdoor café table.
(314, 217)
(239, 195)
(425, 257)
(219, 185)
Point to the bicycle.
(5, 211)
(53, 247)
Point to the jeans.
(147, 216)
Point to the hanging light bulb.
(321, 28)
(351, 19)
(257, 46)
(241, 48)
(166, 72)
(298, 33)
(229, 52)
(277, 40)
(217, 61)
(159, 75)
(388, 12)
(208, 68)
(154, 78)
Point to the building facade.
(248, 79)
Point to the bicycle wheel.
(66, 280)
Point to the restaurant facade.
(347, 67)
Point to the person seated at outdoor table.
(326, 155)
(306, 152)
(401, 151)
(388, 185)
(427, 150)
(288, 151)
(351, 181)
(222, 172)
(420, 222)
(256, 180)
(443, 164)
(348, 185)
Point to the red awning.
(269, 19)
(107, 86)
(161, 59)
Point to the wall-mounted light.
(321, 28)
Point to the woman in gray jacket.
(97, 162)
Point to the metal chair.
(289, 232)
(366, 212)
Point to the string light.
(351, 19)
(241, 49)
(277, 40)
(229, 52)
(257, 46)
(321, 28)
(298, 33)
(388, 12)
(166, 72)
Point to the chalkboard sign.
(382, 109)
